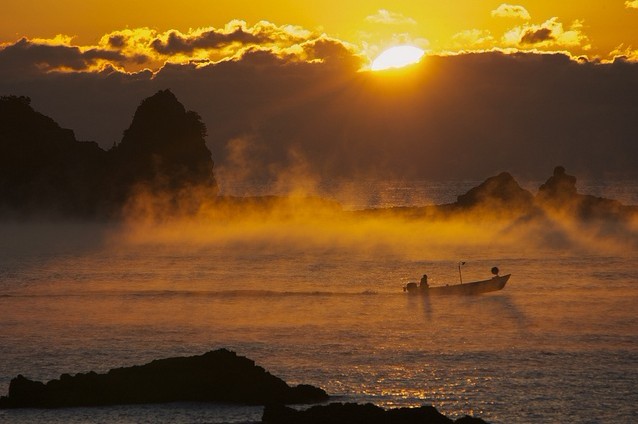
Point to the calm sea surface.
(318, 299)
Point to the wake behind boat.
(464, 289)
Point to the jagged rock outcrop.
(164, 148)
(500, 191)
(560, 186)
(502, 195)
(559, 193)
(216, 376)
(45, 170)
(351, 413)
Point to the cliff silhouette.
(45, 170)
(43, 167)
(163, 149)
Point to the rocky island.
(216, 376)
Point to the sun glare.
(397, 57)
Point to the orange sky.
(591, 27)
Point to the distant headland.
(46, 172)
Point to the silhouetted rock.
(164, 148)
(503, 196)
(216, 376)
(559, 187)
(469, 420)
(559, 193)
(497, 193)
(44, 170)
(351, 413)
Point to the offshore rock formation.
(216, 376)
(559, 186)
(559, 193)
(501, 191)
(164, 148)
(350, 413)
(502, 197)
(45, 171)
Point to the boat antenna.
(460, 276)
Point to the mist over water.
(377, 194)
(317, 298)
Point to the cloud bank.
(137, 49)
(280, 100)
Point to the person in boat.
(424, 282)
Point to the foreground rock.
(217, 376)
(350, 413)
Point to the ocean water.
(317, 299)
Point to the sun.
(397, 57)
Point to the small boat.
(465, 289)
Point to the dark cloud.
(93, 54)
(213, 39)
(537, 36)
(263, 34)
(131, 49)
(117, 41)
(549, 34)
(174, 43)
(465, 116)
(261, 57)
(139, 59)
(26, 57)
(331, 51)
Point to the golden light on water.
(397, 57)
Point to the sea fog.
(316, 297)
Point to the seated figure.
(424, 282)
